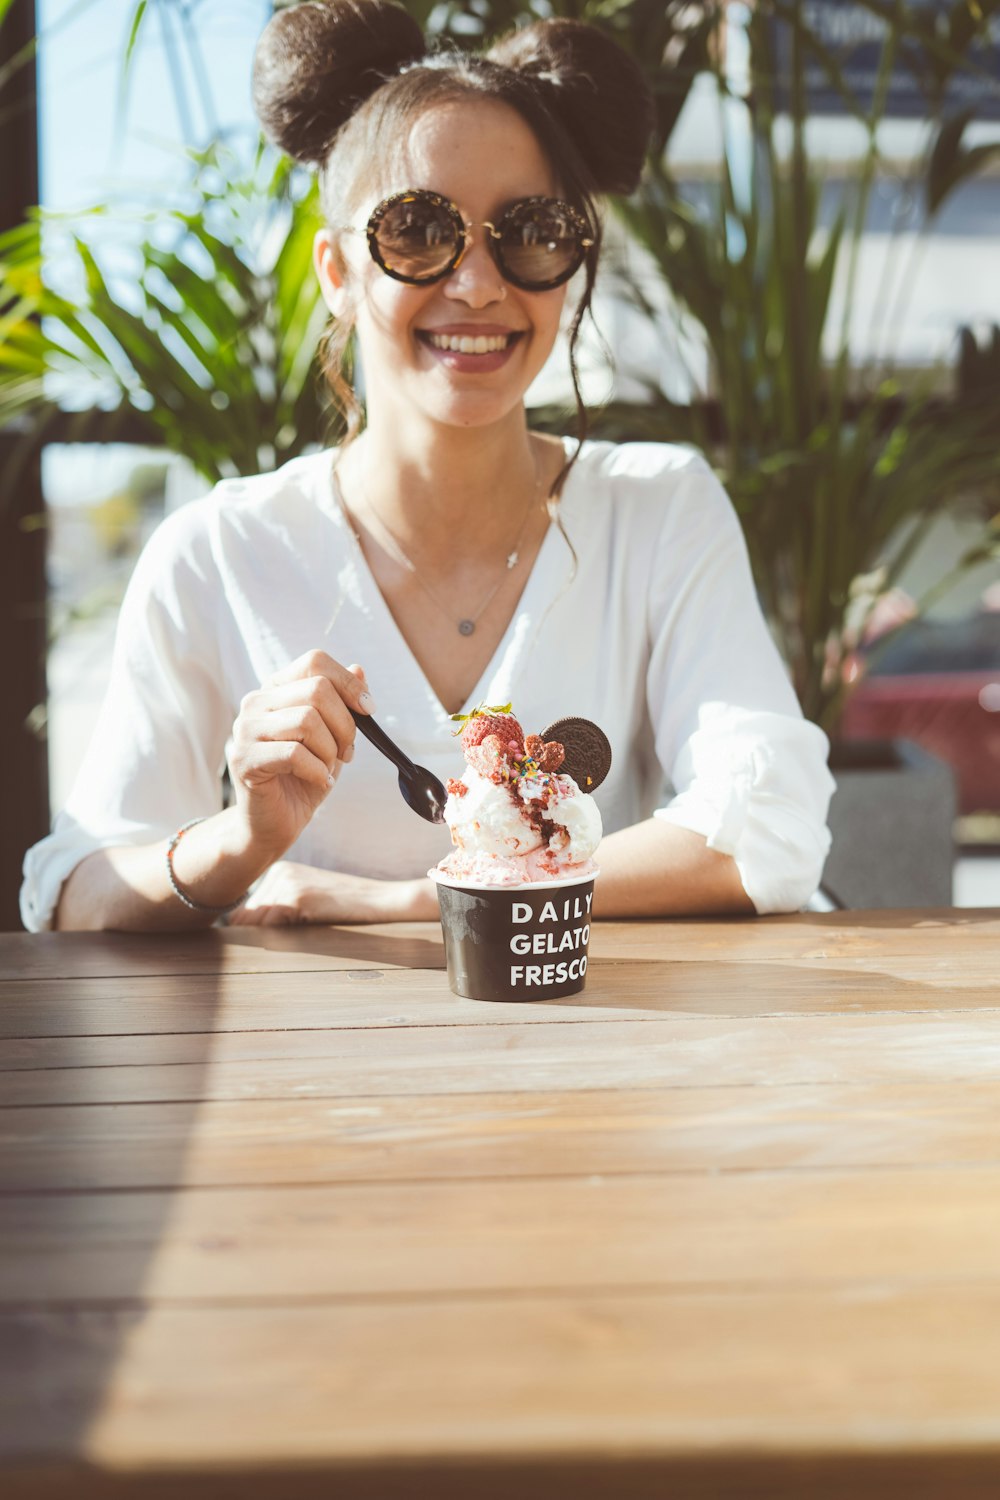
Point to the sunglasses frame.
(463, 238)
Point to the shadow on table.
(88, 1182)
(87, 1185)
(389, 946)
(801, 979)
(726, 988)
(903, 921)
(734, 1472)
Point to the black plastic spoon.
(420, 787)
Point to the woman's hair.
(339, 84)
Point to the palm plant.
(209, 345)
(838, 473)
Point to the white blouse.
(650, 626)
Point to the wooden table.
(282, 1216)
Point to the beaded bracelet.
(189, 901)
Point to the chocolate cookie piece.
(548, 753)
(588, 751)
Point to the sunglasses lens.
(540, 244)
(416, 238)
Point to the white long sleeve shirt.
(652, 629)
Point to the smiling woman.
(462, 557)
(419, 327)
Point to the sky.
(90, 146)
(94, 146)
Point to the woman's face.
(483, 156)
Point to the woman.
(460, 557)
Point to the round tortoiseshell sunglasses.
(419, 237)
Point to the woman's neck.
(456, 486)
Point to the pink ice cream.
(513, 817)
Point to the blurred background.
(805, 286)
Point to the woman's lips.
(476, 353)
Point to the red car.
(938, 683)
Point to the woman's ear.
(329, 270)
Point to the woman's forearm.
(652, 869)
(127, 889)
(656, 869)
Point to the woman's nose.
(476, 279)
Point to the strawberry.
(508, 732)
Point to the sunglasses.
(419, 237)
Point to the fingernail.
(331, 776)
(367, 702)
(347, 756)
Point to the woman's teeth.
(466, 344)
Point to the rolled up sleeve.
(157, 754)
(756, 787)
(748, 772)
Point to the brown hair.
(338, 82)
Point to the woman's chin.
(478, 409)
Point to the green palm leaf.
(823, 497)
(219, 355)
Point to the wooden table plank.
(861, 1371)
(747, 1230)
(735, 1472)
(45, 956)
(615, 992)
(673, 1053)
(725, 1224)
(962, 938)
(256, 1142)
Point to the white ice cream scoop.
(497, 819)
(487, 818)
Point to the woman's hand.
(291, 894)
(291, 739)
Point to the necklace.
(467, 625)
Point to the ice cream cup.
(516, 942)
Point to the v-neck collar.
(356, 583)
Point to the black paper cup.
(524, 942)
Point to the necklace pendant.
(466, 627)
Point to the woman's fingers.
(280, 898)
(348, 681)
(266, 916)
(299, 721)
(275, 702)
(317, 681)
(261, 760)
(359, 672)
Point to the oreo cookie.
(588, 751)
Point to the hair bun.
(594, 88)
(316, 62)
